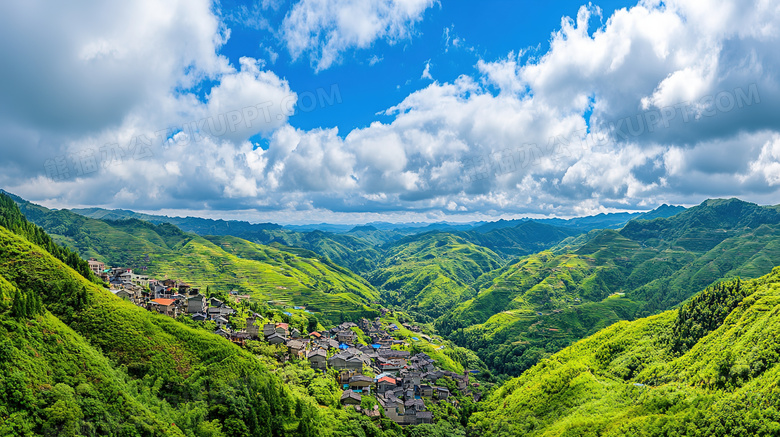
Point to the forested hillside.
(431, 273)
(532, 308)
(354, 249)
(275, 272)
(78, 361)
(710, 368)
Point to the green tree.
(64, 415)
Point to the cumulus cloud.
(326, 28)
(664, 103)
(86, 67)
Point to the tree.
(312, 324)
(19, 307)
(36, 305)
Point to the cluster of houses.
(168, 296)
(402, 383)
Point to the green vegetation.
(284, 275)
(710, 364)
(76, 360)
(354, 250)
(12, 219)
(633, 378)
(544, 302)
(59, 379)
(526, 238)
(431, 273)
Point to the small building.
(276, 339)
(318, 359)
(164, 306)
(296, 348)
(140, 280)
(391, 353)
(158, 291)
(96, 266)
(394, 408)
(339, 361)
(386, 383)
(349, 397)
(424, 417)
(360, 382)
(196, 304)
(415, 405)
(283, 329)
(346, 336)
(221, 322)
(355, 363)
(330, 343)
(442, 393)
(198, 317)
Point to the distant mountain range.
(203, 226)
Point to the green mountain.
(710, 368)
(524, 239)
(196, 225)
(356, 252)
(532, 308)
(267, 273)
(431, 273)
(588, 223)
(350, 250)
(77, 360)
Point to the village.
(400, 381)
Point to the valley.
(504, 301)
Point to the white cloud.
(426, 74)
(767, 166)
(502, 74)
(375, 60)
(326, 28)
(642, 60)
(85, 67)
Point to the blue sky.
(489, 31)
(440, 110)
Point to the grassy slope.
(194, 372)
(433, 272)
(45, 362)
(626, 380)
(265, 272)
(353, 250)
